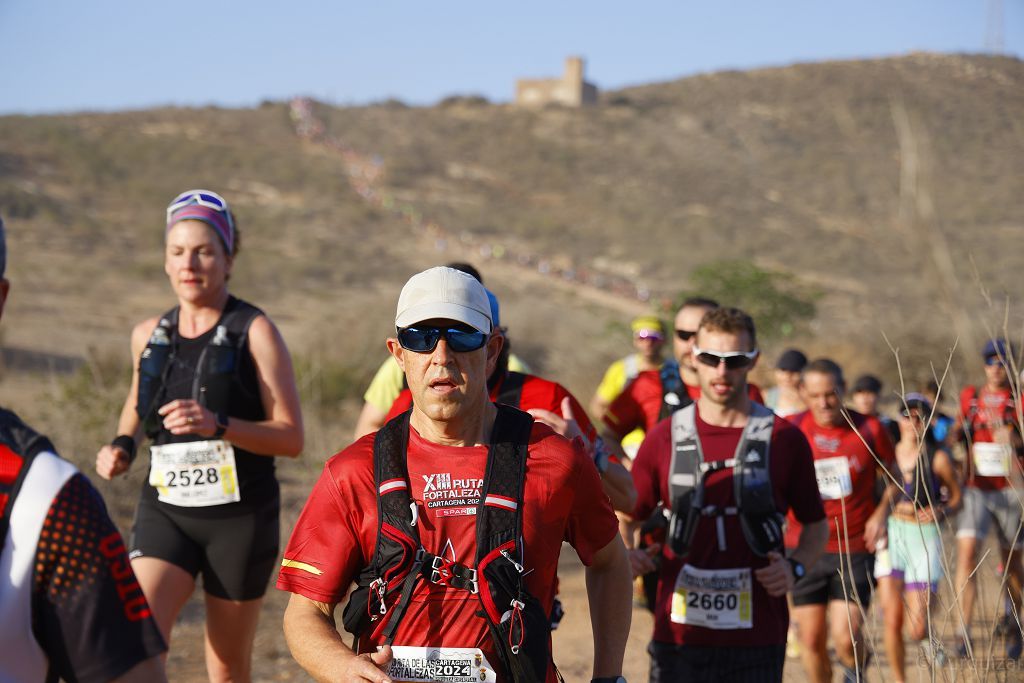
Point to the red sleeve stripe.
(392, 485)
(501, 501)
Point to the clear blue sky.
(72, 55)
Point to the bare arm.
(610, 595)
(112, 461)
(281, 432)
(617, 483)
(315, 643)
(370, 420)
(597, 406)
(942, 465)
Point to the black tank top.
(257, 482)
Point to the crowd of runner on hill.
(755, 525)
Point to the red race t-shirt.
(639, 404)
(982, 412)
(845, 470)
(335, 536)
(792, 475)
(537, 393)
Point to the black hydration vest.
(755, 501)
(673, 391)
(26, 442)
(216, 373)
(518, 625)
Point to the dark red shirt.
(792, 474)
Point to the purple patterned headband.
(208, 207)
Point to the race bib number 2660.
(713, 598)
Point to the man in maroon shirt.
(849, 449)
(645, 400)
(721, 612)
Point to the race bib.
(441, 664)
(833, 475)
(713, 598)
(991, 459)
(194, 474)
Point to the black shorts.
(824, 582)
(697, 664)
(235, 553)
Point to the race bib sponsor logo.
(448, 496)
(718, 599)
(441, 664)
(833, 475)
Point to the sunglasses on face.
(734, 360)
(993, 360)
(685, 335)
(649, 334)
(424, 338)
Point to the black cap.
(867, 383)
(791, 360)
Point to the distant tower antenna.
(994, 28)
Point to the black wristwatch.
(222, 424)
(608, 679)
(799, 571)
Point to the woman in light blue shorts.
(910, 568)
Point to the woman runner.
(914, 567)
(213, 388)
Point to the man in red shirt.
(550, 403)
(655, 394)
(989, 428)
(438, 625)
(848, 452)
(720, 612)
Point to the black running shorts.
(235, 553)
(837, 577)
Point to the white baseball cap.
(443, 292)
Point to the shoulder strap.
(501, 497)
(391, 477)
(23, 441)
(511, 393)
(686, 453)
(238, 318)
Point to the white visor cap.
(446, 293)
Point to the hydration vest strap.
(502, 493)
(750, 465)
(511, 393)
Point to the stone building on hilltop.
(570, 90)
